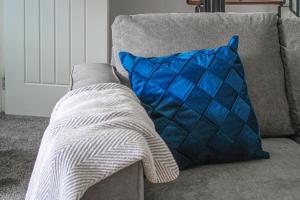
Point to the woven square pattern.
(199, 103)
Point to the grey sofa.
(270, 51)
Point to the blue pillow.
(199, 103)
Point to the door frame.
(1, 56)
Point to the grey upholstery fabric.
(112, 188)
(128, 184)
(159, 34)
(88, 74)
(290, 45)
(277, 178)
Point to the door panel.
(43, 40)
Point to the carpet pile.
(19, 143)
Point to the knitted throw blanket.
(94, 132)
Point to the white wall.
(129, 7)
(1, 56)
(251, 8)
(125, 7)
(285, 11)
(118, 7)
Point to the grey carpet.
(19, 142)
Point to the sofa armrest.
(89, 74)
(127, 184)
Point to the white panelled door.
(43, 40)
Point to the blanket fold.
(94, 132)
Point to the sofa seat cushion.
(277, 178)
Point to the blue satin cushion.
(199, 103)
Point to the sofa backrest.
(289, 30)
(151, 35)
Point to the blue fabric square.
(252, 122)
(220, 72)
(248, 141)
(169, 76)
(241, 108)
(232, 126)
(138, 84)
(161, 122)
(156, 94)
(221, 143)
(187, 117)
(237, 67)
(234, 80)
(199, 103)
(168, 106)
(210, 83)
(193, 72)
(195, 144)
(204, 129)
(194, 103)
(216, 112)
(148, 68)
(127, 60)
(177, 85)
(227, 95)
(174, 134)
(192, 148)
(177, 64)
(203, 61)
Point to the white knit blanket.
(94, 132)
